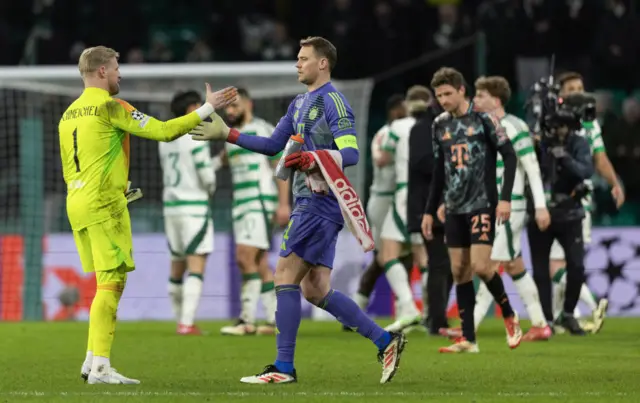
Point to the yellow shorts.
(106, 245)
(112, 277)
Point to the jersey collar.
(96, 91)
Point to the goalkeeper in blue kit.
(323, 118)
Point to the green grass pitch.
(40, 362)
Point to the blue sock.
(349, 314)
(288, 315)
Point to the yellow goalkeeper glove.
(132, 194)
(211, 131)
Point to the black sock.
(370, 277)
(466, 303)
(496, 287)
(575, 279)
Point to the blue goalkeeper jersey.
(325, 121)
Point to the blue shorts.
(311, 237)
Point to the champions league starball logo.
(613, 269)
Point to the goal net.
(39, 271)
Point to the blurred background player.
(394, 235)
(380, 199)
(435, 296)
(189, 181)
(324, 119)
(257, 200)
(94, 149)
(570, 83)
(465, 149)
(492, 94)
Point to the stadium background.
(384, 46)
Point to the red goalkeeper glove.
(301, 160)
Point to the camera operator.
(440, 279)
(565, 162)
(571, 84)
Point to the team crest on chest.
(313, 113)
(446, 135)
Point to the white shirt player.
(399, 133)
(593, 134)
(527, 168)
(384, 177)
(507, 242)
(254, 188)
(398, 144)
(189, 177)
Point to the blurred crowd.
(593, 36)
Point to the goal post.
(32, 100)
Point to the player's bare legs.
(248, 258)
(482, 266)
(463, 279)
(407, 314)
(267, 295)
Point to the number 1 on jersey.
(75, 149)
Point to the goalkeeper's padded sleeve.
(127, 118)
(264, 145)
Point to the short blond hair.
(92, 58)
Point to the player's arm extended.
(602, 163)
(580, 164)
(343, 127)
(529, 161)
(267, 145)
(437, 182)
(125, 117)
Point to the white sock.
(558, 303)
(529, 295)
(88, 361)
(268, 298)
(587, 297)
(361, 301)
(100, 366)
(175, 294)
(484, 299)
(190, 299)
(249, 295)
(399, 281)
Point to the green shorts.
(106, 245)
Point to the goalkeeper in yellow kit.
(94, 148)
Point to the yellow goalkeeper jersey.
(94, 148)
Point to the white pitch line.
(302, 394)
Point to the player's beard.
(114, 89)
(237, 120)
